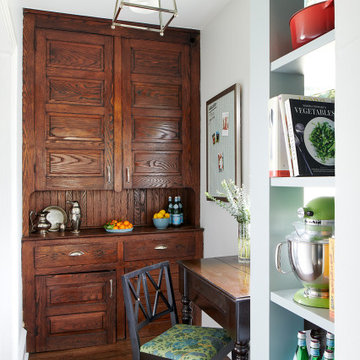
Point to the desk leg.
(241, 346)
(186, 309)
(240, 351)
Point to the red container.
(311, 22)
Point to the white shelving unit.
(320, 317)
(303, 182)
(317, 53)
(293, 71)
(274, 203)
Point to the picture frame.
(223, 140)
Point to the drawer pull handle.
(128, 175)
(111, 288)
(76, 253)
(109, 174)
(160, 247)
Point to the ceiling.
(192, 13)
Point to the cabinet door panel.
(75, 162)
(156, 113)
(154, 63)
(73, 109)
(71, 127)
(157, 162)
(71, 323)
(156, 96)
(75, 55)
(75, 310)
(75, 91)
(156, 181)
(92, 293)
(156, 130)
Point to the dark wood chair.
(180, 340)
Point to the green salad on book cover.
(312, 136)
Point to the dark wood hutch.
(111, 118)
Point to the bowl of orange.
(118, 226)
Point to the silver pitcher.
(75, 216)
(38, 222)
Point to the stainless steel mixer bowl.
(310, 263)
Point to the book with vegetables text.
(311, 130)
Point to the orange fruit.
(126, 223)
(122, 227)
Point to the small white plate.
(56, 217)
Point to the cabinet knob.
(76, 253)
(127, 175)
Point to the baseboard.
(22, 345)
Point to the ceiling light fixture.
(138, 10)
(144, 6)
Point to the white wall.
(347, 246)
(12, 335)
(224, 61)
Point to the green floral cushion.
(187, 342)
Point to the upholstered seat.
(147, 300)
(187, 342)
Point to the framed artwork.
(223, 140)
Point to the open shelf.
(318, 53)
(319, 317)
(311, 181)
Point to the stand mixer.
(308, 251)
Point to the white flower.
(237, 203)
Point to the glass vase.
(244, 242)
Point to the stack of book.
(302, 136)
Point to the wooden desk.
(220, 287)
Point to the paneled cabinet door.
(75, 310)
(73, 111)
(156, 113)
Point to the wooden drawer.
(50, 256)
(162, 246)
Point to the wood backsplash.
(98, 207)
